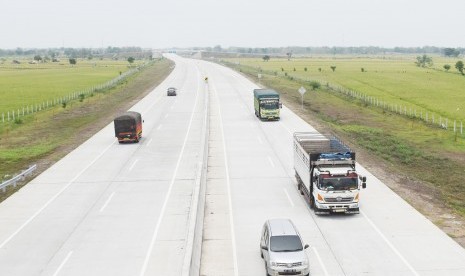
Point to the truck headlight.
(319, 197)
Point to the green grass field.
(44, 137)
(28, 84)
(405, 146)
(394, 80)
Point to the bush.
(362, 69)
(18, 121)
(63, 104)
(81, 97)
(305, 69)
(315, 85)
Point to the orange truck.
(128, 127)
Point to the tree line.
(369, 50)
(52, 53)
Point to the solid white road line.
(288, 197)
(228, 184)
(133, 164)
(63, 263)
(148, 143)
(320, 261)
(54, 197)
(260, 140)
(159, 127)
(168, 194)
(106, 202)
(166, 116)
(271, 161)
(391, 245)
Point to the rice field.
(395, 80)
(27, 84)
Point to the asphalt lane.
(389, 237)
(111, 209)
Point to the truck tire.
(299, 186)
(312, 202)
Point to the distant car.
(282, 249)
(171, 91)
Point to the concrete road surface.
(251, 179)
(111, 209)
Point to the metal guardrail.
(17, 178)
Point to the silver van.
(282, 249)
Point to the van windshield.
(285, 243)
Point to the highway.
(111, 209)
(251, 179)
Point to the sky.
(243, 23)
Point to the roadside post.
(302, 91)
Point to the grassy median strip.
(47, 136)
(406, 146)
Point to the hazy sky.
(248, 23)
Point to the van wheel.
(312, 202)
(299, 186)
(266, 270)
(261, 254)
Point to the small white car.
(282, 249)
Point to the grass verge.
(47, 136)
(424, 165)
